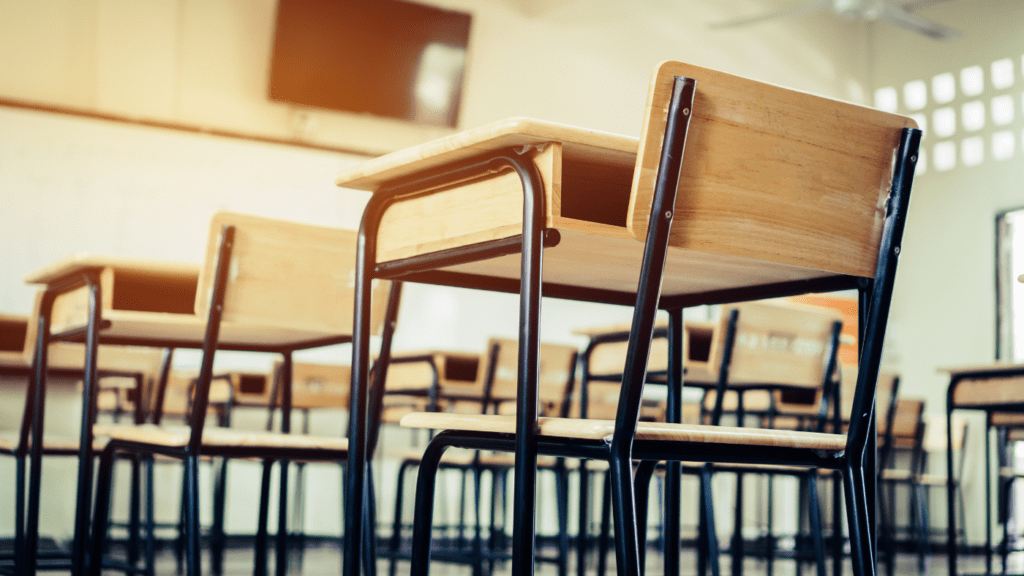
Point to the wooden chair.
(600, 385)
(994, 389)
(494, 392)
(266, 286)
(902, 436)
(779, 193)
(123, 374)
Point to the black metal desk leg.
(951, 551)
(673, 470)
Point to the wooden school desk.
(992, 388)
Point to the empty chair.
(124, 374)
(267, 286)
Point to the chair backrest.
(770, 173)
(886, 391)
(777, 343)
(318, 385)
(606, 355)
(287, 275)
(557, 373)
(907, 422)
(178, 394)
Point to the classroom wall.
(944, 309)
(69, 184)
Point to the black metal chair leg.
(478, 552)
(708, 520)
(19, 517)
(562, 489)
(396, 527)
(462, 511)
(179, 541)
(736, 547)
(672, 513)
(923, 529)
(135, 512)
(814, 515)
(217, 531)
(150, 519)
(606, 516)
(192, 548)
(641, 492)
(101, 513)
(281, 540)
(370, 525)
(627, 550)
(424, 509)
(887, 525)
(861, 544)
(583, 529)
(260, 561)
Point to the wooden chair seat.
(603, 429)
(178, 436)
(52, 445)
(897, 475)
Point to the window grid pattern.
(969, 116)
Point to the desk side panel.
(486, 208)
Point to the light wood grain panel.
(84, 261)
(178, 394)
(458, 373)
(287, 275)
(489, 207)
(51, 444)
(511, 133)
(556, 367)
(320, 385)
(1000, 419)
(778, 343)
(907, 417)
(991, 391)
(770, 173)
(224, 437)
(601, 256)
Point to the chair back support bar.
(878, 293)
(677, 104)
(286, 274)
(772, 174)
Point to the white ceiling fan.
(870, 10)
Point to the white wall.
(944, 310)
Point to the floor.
(324, 559)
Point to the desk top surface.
(993, 370)
(509, 133)
(83, 261)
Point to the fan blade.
(901, 17)
(917, 4)
(813, 6)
